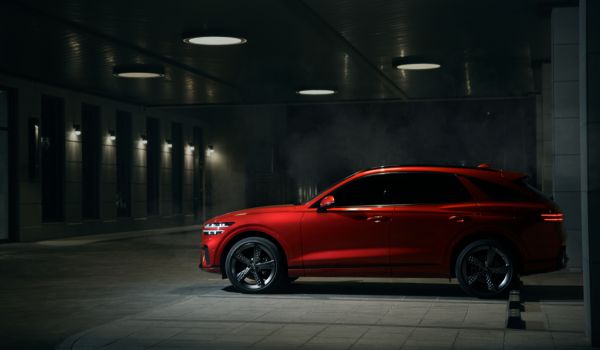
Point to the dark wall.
(275, 154)
(63, 192)
(326, 142)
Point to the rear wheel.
(485, 269)
(254, 265)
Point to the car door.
(432, 209)
(350, 238)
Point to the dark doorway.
(198, 144)
(124, 150)
(90, 161)
(6, 186)
(11, 122)
(177, 167)
(153, 165)
(53, 158)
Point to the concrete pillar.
(566, 176)
(545, 130)
(4, 168)
(589, 86)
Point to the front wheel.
(254, 265)
(485, 269)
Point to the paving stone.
(329, 343)
(479, 339)
(528, 340)
(432, 337)
(377, 344)
(348, 332)
(568, 341)
(299, 330)
(279, 343)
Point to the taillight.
(553, 217)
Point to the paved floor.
(146, 293)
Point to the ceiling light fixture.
(418, 66)
(139, 71)
(414, 63)
(213, 40)
(77, 129)
(316, 92)
(111, 135)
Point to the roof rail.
(484, 166)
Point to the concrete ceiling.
(486, 48)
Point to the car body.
(399, 221)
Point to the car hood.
(256, 210)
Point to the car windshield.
(326, 188)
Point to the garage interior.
(105, 180)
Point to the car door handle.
(377, 218)
(457, 218)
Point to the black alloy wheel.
(253, 265)
(485, 269)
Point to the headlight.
(216, 228)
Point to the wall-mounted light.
(212, 40)
(210, 150)
(112, 135)
(316, 92)
(414, 63)
(139, 71)
(169, 144)
(77, 129)
(191, 147)
(143, 139)
(34, 147)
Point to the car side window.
(427, 188)
(497, 192)
(367, 190)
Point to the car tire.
(486, 269)
(254, 265)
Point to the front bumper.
(205, 263)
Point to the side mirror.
(326, 202)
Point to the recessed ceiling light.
(213, 40)
(418, 66)
(414, 63)
(314, 92)
(139, 71)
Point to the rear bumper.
(559, 262)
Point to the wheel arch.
(246, 234)
(464, 241)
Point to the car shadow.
(378, 289)
(529, 293)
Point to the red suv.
(483, 226)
